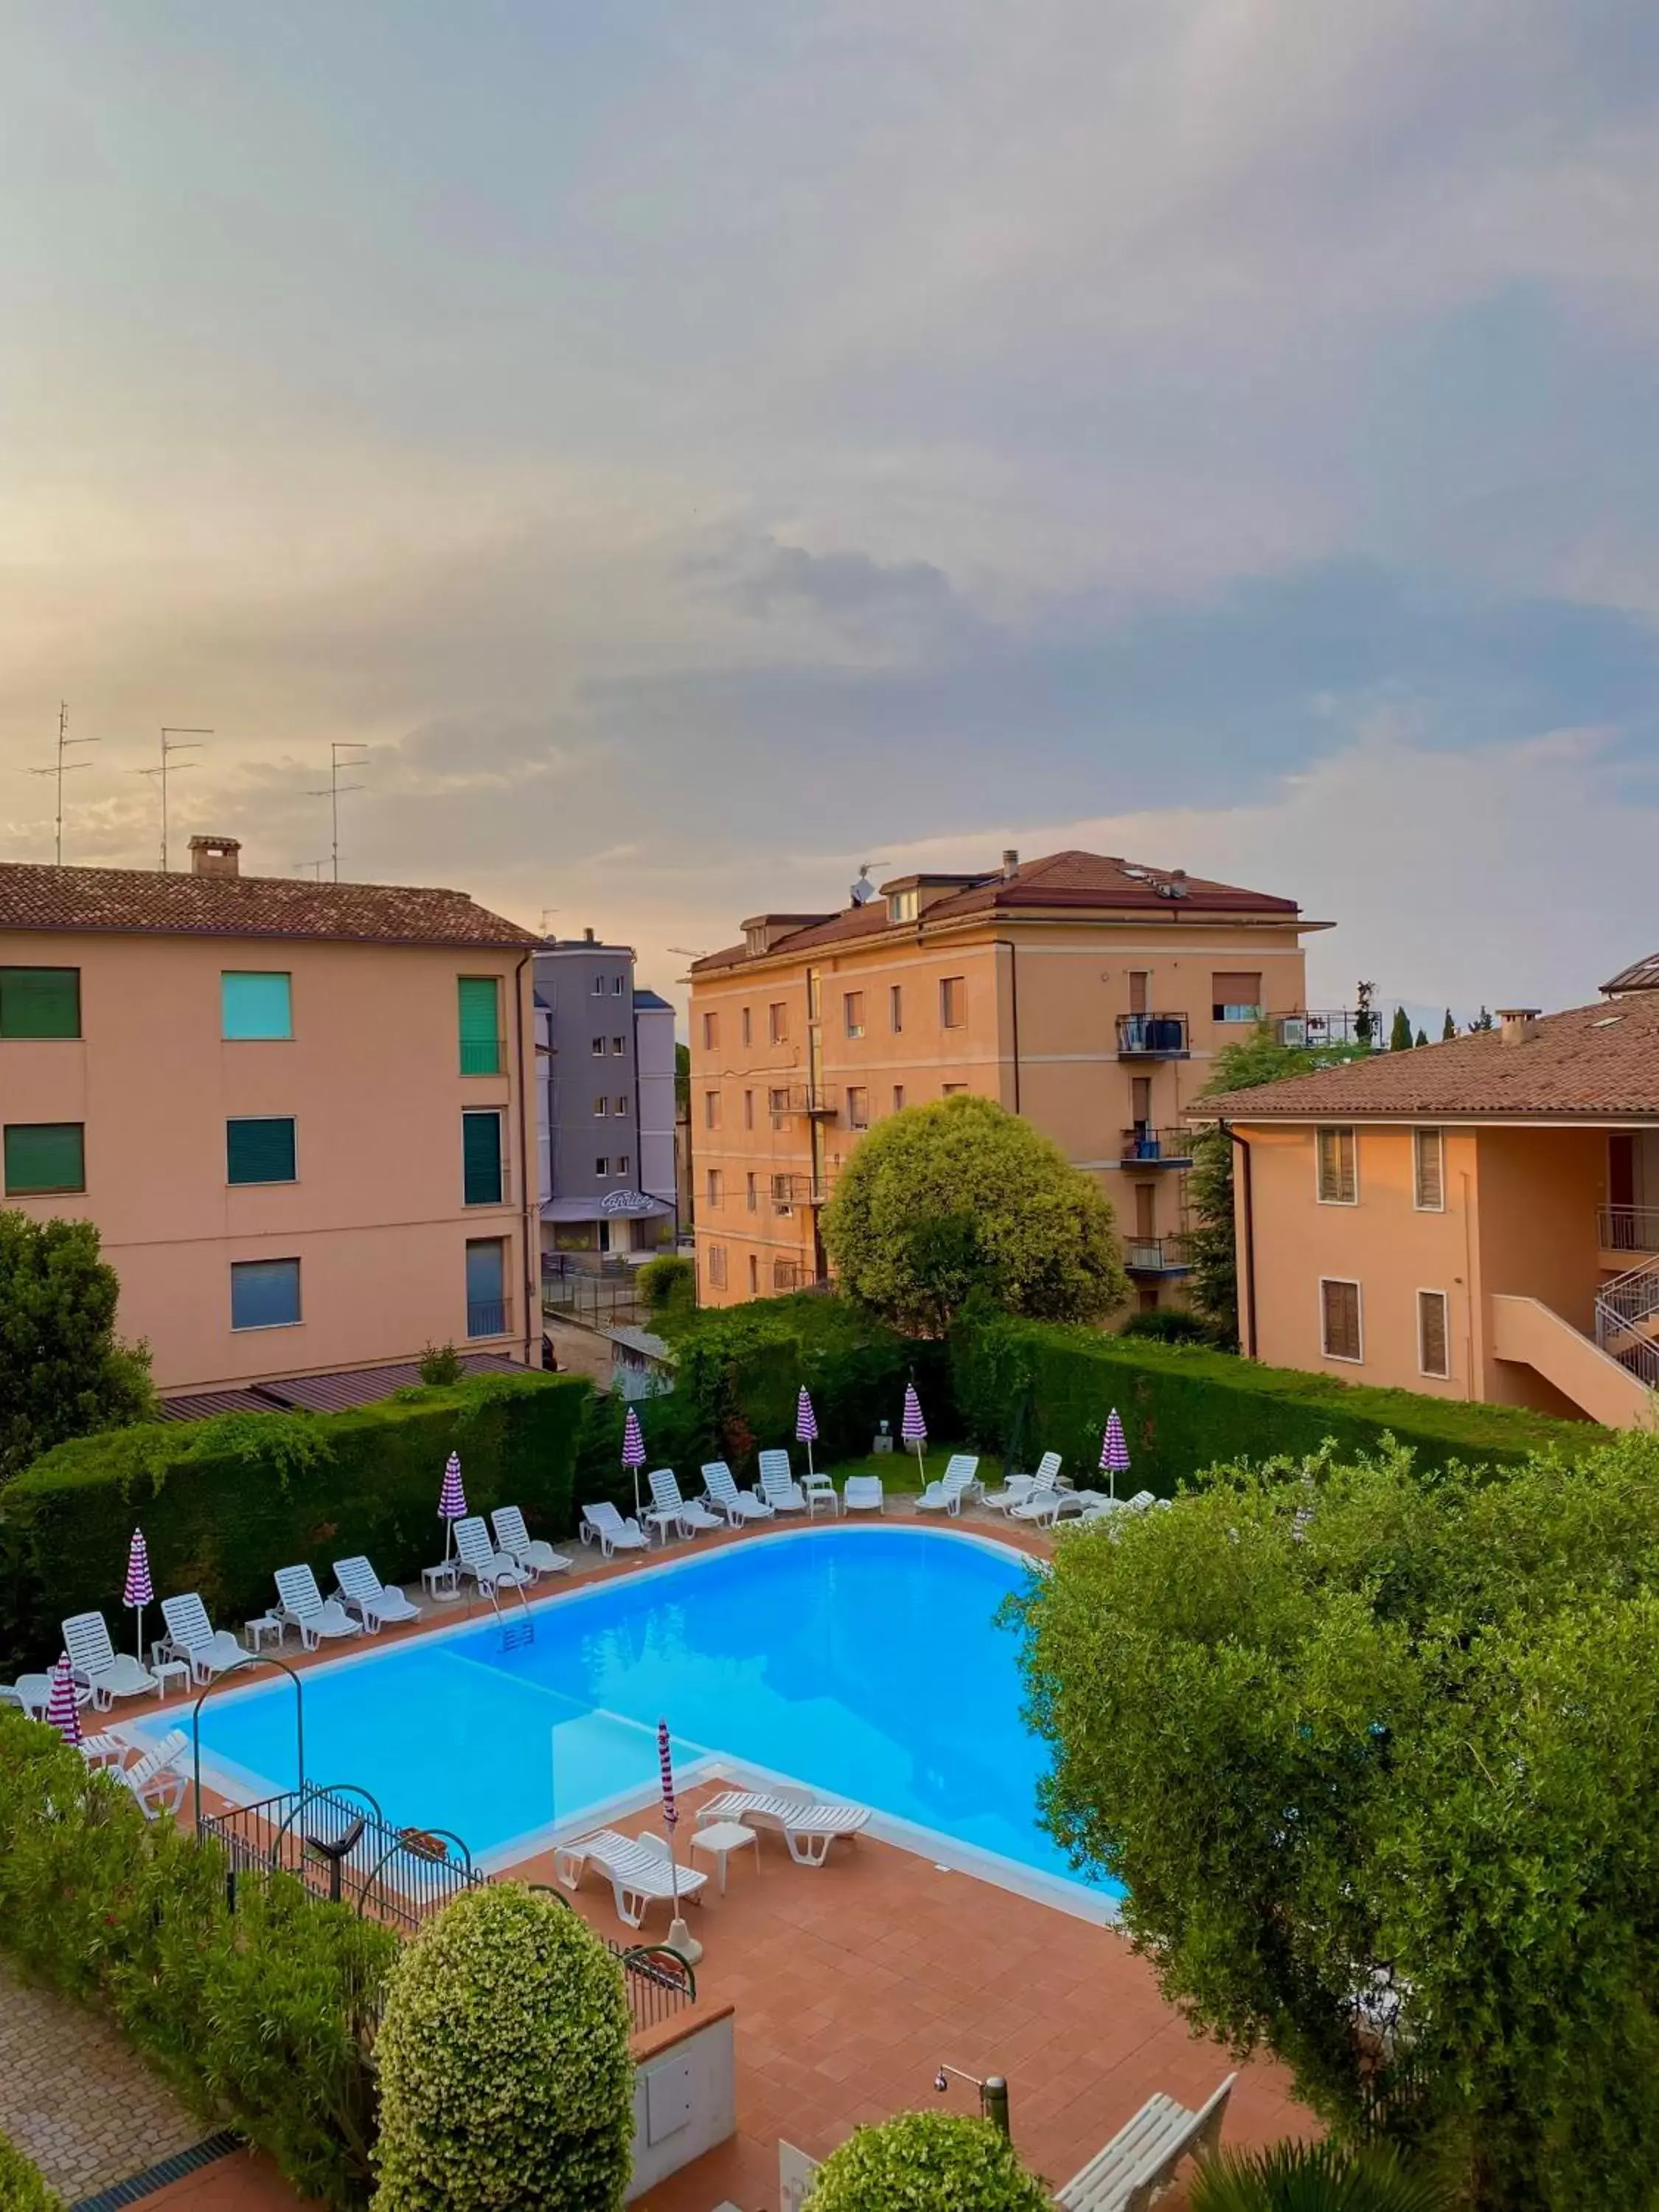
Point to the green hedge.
(22, 2185)
(1028, 1387)
(224, 1503)
(257, 2016)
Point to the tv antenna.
(688, 951)
(332, 792)
(316, 868)
(64, 768)
(547, 910)
(176, 738)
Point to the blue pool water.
(863, 1662)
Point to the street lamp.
(993, 2093)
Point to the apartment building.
(1474, 1219)
(296, 1110)
(606, 1102)
(1087, 993)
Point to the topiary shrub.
(441, 1367)
(22, 2188)
(926, 2162)
(506, 2081)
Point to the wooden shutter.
(1433, 1350)
(1138, 979)
(1341, 1317)
(1338, 1168)
(259, 1150)
(44, 1156)
(39, 1002)
(1431, 1192)
(480, 1022)
(481, 1158)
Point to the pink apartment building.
(298, 1113)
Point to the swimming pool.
(864, 1661)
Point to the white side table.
(720, 1837)
(443, 1582)
(255, 1633)
(171, 1670)
(820, 1490)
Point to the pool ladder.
(515, 1634)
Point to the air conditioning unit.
(1293, 1031)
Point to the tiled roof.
(1079, 882)
(1596, 1063)
(326, 1394)
(140, 902)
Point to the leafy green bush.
(506, 2081)
(257, 2015)
(226, 1502)
(1025, 1387)
(926, 2162)
(671, 1280)
(1297, 2177)
(22, 2186)
(1168, 1325)
(63, 1371)
(441, 1367)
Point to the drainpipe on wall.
(532, 1244)
(1248, 1190)
(1012, 949)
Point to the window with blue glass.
(265, 1293)
(486, 1286)
(255, 1005)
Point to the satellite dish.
(864, 890)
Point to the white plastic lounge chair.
(374, 1602)
(689, 1514)
(637, 1870)
(157, 1780)
(516, 1540)
(192, 1636)
(738, 1505)
(959, 1480)
(107, 1673)
(491, 1570)
(33, 1693)
(1142, 2157)
(778, 1486)
(1142, 1500)
(862, 1493)
(604, 1525)
(1041, 1502)
(301, 1604)
(808, 1825)
(1097, 1508)
(105, 1750)
(1017, 1488)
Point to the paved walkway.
(75, 2099)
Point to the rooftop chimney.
(588, 936)
(1520, 1023)
(1010, 864)
(215, 856)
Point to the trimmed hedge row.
(1026, 1386)
(224, 1503)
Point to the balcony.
(1627, 1229)
(1143, 1146)
(785, 1100)
(1156, 1255)
(489, 1317)
(786, 1192)
(793, 1275)
(1152, 1036)
(483, 1056)
(1312, 1030)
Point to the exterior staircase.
(1628, 1322)
(1600, 1382)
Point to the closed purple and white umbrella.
(1114, 1452)
(62, 1711)
(136, 1591)
(452, 1499)
(634, 1453)
(807, 1424)
(680, 1937)
(913, 1430)
(671, 1811)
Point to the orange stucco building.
(1087, 993)
(1474, 1220)
(296, 1111)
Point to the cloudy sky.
(695, 450)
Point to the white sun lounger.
(157, 1780)
(107, 1673)
(738, 1505)
(959, 1480)
(862, 1493)
(604, 1525)
(669, 1508)
(1142, 2157)
(1018, 1487)
(192, 1636)
(375, 1602)
(301, 1604)
(807, 1824)
(1041, 1502)
(491, 1570)
(637, 1869)
(778, 1486)
(33, 1693)
(516, 1540)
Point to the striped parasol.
(671, 1811)
(634, 1453)
(913, 1430)
(62, 1711)
(680, 1937)
(452, 1499)
(138, 1592)
(807, 1424)
(1114, 1452)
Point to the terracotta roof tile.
(138, 901)
(1596, 1062)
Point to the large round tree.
(944, 1199)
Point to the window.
(711, 1031)
(748, 1109)
(712, 1186)
(1138, 980)
(898, 1098)
(598, 1047)
(901, 906)
(260, 1149)
(601, 1168)
(951, 1090)
(617, 986)
(953, 1001)
(852, 1008)
(1428, 1175)
(752, 1192)
(777, 1023)
(487, 1311)
(483, 1048)
(746, 1026)
(754, 1276)
(482, 1175)
(1339, 1168)
(858, 1106)
(1236, 998)
(815, 995)
(711, 1109)
(777, 1103)
(620, 1108)
(44, 1156)
(786, 1275)
(1433, 1334)
(598, 987)
(1339, 1319)
(600, 1107)
(618, 1047)
(265, 1293)
(255, 1005)
(40, 1002)
(717, 1267)
(623, 1164)
(895, 1007)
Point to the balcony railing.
(816, 1101)
(1145, 1147)
(789, 1275)
(786, 1192)
(1152, 1036)
(1627, 1228)
(488, 1316)
(1326, 1026)
(1156, 1255)
(483, 1056)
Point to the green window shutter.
(481, 1025)
(481, 1158)
(39, 1002)
(259, 1150)
(44, 1156)
(255, 1005)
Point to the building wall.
(371, 1076)
(579, 1077)
(655, 1045)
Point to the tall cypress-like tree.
(63, 1371)
(1422, 1037)
(1448, 1027)
(1400, 1036)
